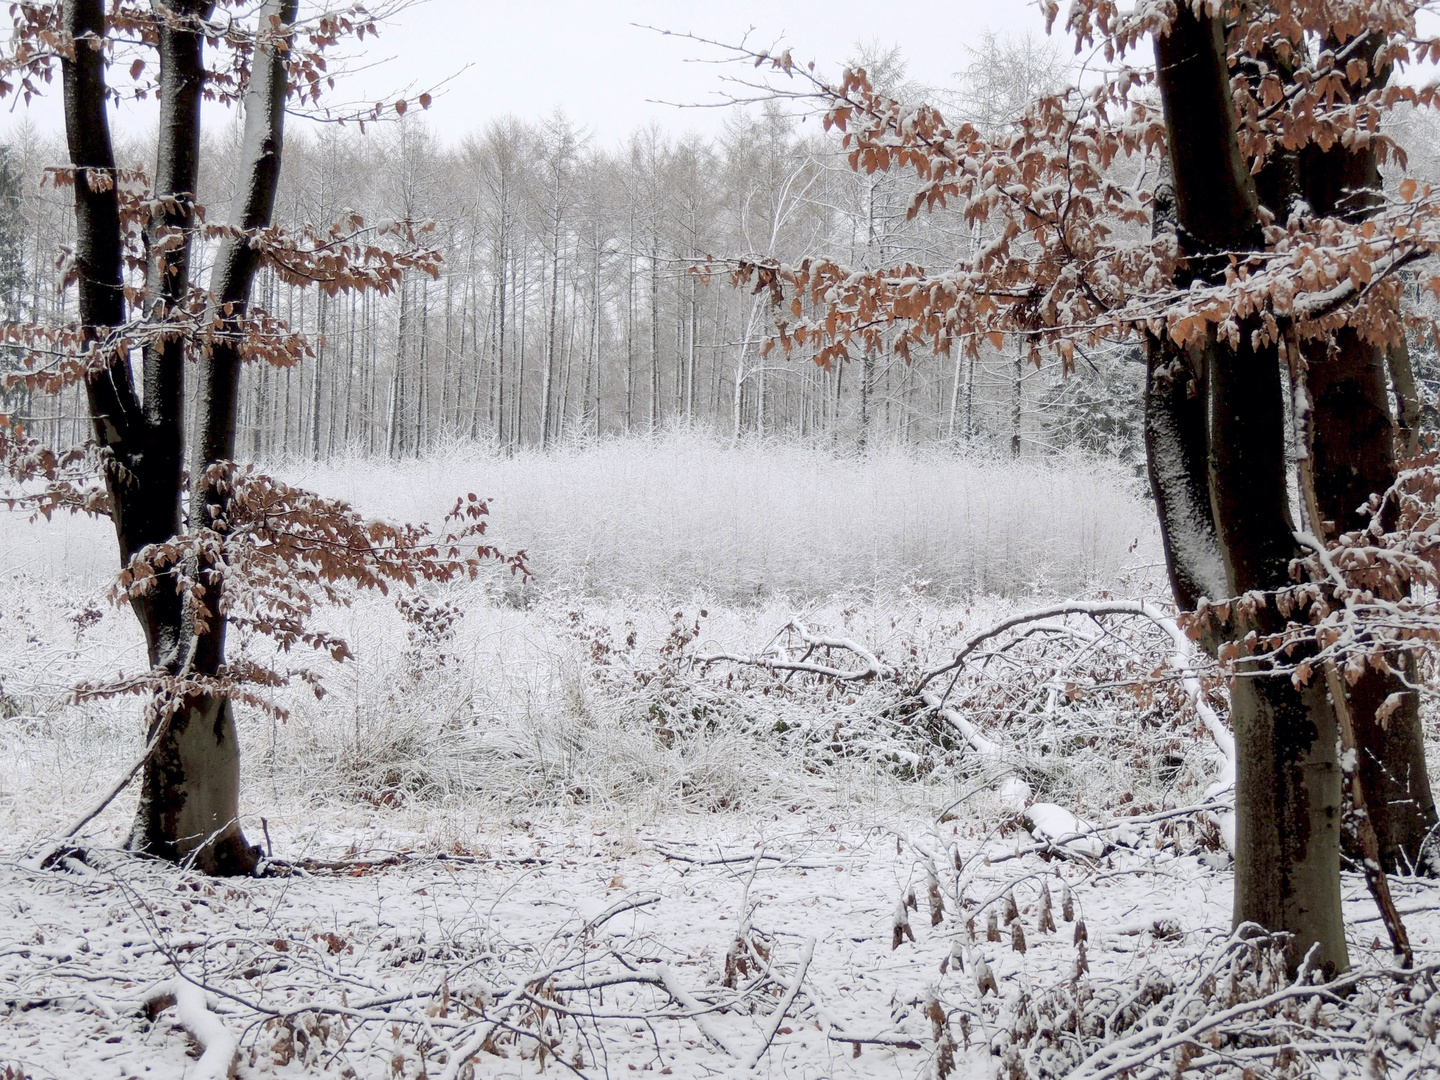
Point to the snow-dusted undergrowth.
(510, 710)
(540, 835)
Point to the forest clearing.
(523, 792)
(922, 580)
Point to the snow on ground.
(547, 840)
(377, 970)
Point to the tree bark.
(189, 804)
(1177, 448)
(1354, 457)
(1177, 451)
(1407, 398)
(114, 405)
(1287, 800)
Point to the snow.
(193, 1011)
(555, 829)
(384, 948)
(1055, 824)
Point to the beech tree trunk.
(1177, 450)
(190, 785)
(1177, 455)
(1287, 800)
(1354, 457)
(184, 811)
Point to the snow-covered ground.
(691, 935)
(549, 840)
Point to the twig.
(160, 730)
(1191, 1035)
(520, 990)
(1075, 607)
(871, 669)
(772, 1023)
(122, 783)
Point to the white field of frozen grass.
(478, 802)
(689, 515)
(892, 546)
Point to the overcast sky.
(593, 61)
(530, 57)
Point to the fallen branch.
(1073, 607)
(1181, 660)
(968, 731)
(772, 1022)
(718, 860)
(694, 1008)
(194, 1015)
(519, 991)
(805, 665)
(1052, 844)
(836, 1033)
(732, 860)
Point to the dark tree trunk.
(1177, 455)
(1287, 796)
(114, 405)
(189, 804)
(1354, 457)
(1177, 450)
(144, 439)
(155, 503)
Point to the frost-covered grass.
(687, 514)
(520, 711)
(592, 711)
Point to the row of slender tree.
(573, 302)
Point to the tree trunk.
(1018, 399)
(1407, 398)
(655, 415)
(548, 382)
(1354, 457)
(140, 513)
(1287, 799)
(189, 803)
(1177, 460)
(1177, 450)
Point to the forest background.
(567, 307)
